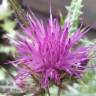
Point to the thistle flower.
(46, 52)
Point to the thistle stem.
(59, 91)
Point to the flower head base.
(46, 52)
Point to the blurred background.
(41, 6)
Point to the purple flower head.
(46, 52)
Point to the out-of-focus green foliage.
(88, 42)
(87, 88)
(74, 12)
(6, 49)
(5, 10)
(8, 25)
